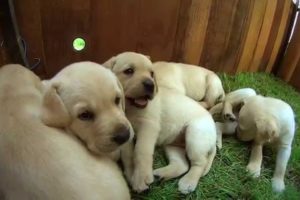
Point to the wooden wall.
(289, 69)
(229, 36)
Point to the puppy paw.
(278, 185)
(187, 185)
(253, 170)
(141, 181)
(159, 173)
(229, 117)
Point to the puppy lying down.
(193, 81)
(41, 161)
(162, 116)
(265, 121)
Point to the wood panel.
(288, 69)
(257, 16)
(32, 33)
(227, 36)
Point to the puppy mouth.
(140, 102)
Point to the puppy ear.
(148, 57)
(110, 63)
(122, 95)
(54, 112)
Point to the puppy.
(266, 120)
(196, 82)
(226, 112)
(39, 159)
(162, 116)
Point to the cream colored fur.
(266, 120)
(171, 120)
(195, 82)
(43, 162)
(226, 112)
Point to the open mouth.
(140, 102)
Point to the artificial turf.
(228, 178)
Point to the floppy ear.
(122, 95)
(110, 63)
(54, 112)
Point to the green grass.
(227, 178)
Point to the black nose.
(121, 135)
(148, 85)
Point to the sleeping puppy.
(266, 120)
(226, 112)
(162, 116)
(39, 159)
(195, 82)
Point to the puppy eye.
(86, 116)
(128, 71)
(117, 100)
(152, 74)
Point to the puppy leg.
(219, 128)
(283, 156)
(127, 159)
(228, 128)
(143, 157)
(254, 165)
(210, 160)
(228, 112)
(200, 142)
(177, 166)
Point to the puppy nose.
(148, 85)
(122, 135)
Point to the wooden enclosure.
(229, 36)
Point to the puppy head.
(136, 75)
(87, 100)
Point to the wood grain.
(257, 16)
(292, 57)
(279, 38)
(198, 17)
(264, 35)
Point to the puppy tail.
(267, 128)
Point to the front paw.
(253, 170)
(141, 180)
(277, 185)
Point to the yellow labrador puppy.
(196, 82)
(41, 161)
(266, 120)
(226, 112)
(162, 116)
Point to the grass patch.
(227, 178)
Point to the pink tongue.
(141, 102)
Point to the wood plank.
(218, 33)
(236, 40)
(29, 21)
(195, 33)
(257, 16)
(114, 27)
(264, 35)
(279, 38)
(295, 81)
(292, 56)
(183, 19)
(272, 36)
(62, 22)
(157, 28)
